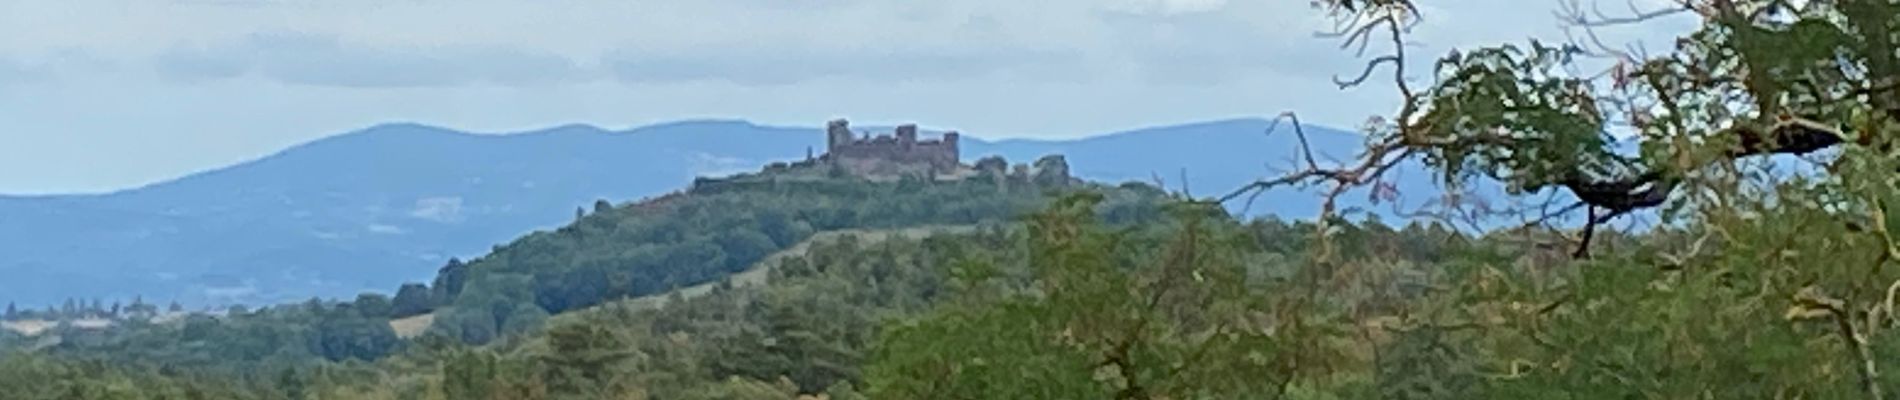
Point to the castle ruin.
(901, 153)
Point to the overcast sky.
(97, 95)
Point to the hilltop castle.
(887, 158)
(901, 153)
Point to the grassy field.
(412, 327)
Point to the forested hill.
(640, 248)
(369, 209)
(718, 228)
(869, 310)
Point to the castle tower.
(950, 145)
(907, 136)
(837, 135)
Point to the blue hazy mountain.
(368, 210)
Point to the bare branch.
(1573, 14)
(1547, 215)
(1306, 149)
(1364, 74)
(1589, 230)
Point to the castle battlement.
(901, 151)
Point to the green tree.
(1111, 320)
(1798, 263)
(344, 334)
(584, 360)
(449, 281)
(372, 305)
(470, 374)
(412, 299)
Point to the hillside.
(760, 272)
(831, 315)
(704, 235)
(709, 233)
(366, 210)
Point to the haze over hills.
(367, 210)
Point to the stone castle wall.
(901, 152)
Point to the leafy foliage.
(1109, 316)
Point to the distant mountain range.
(367, 210)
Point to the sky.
(102, 95)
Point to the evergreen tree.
(449, 281)
(412, 299)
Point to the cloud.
(771, 67)
(385, 229)
(438, 43)
(11, 73)
(439, 209)
(1165, 7)
(1219, 43)
(220, 81)
(432, 43)
(51, 66)
(325, 60)
(197, 64)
